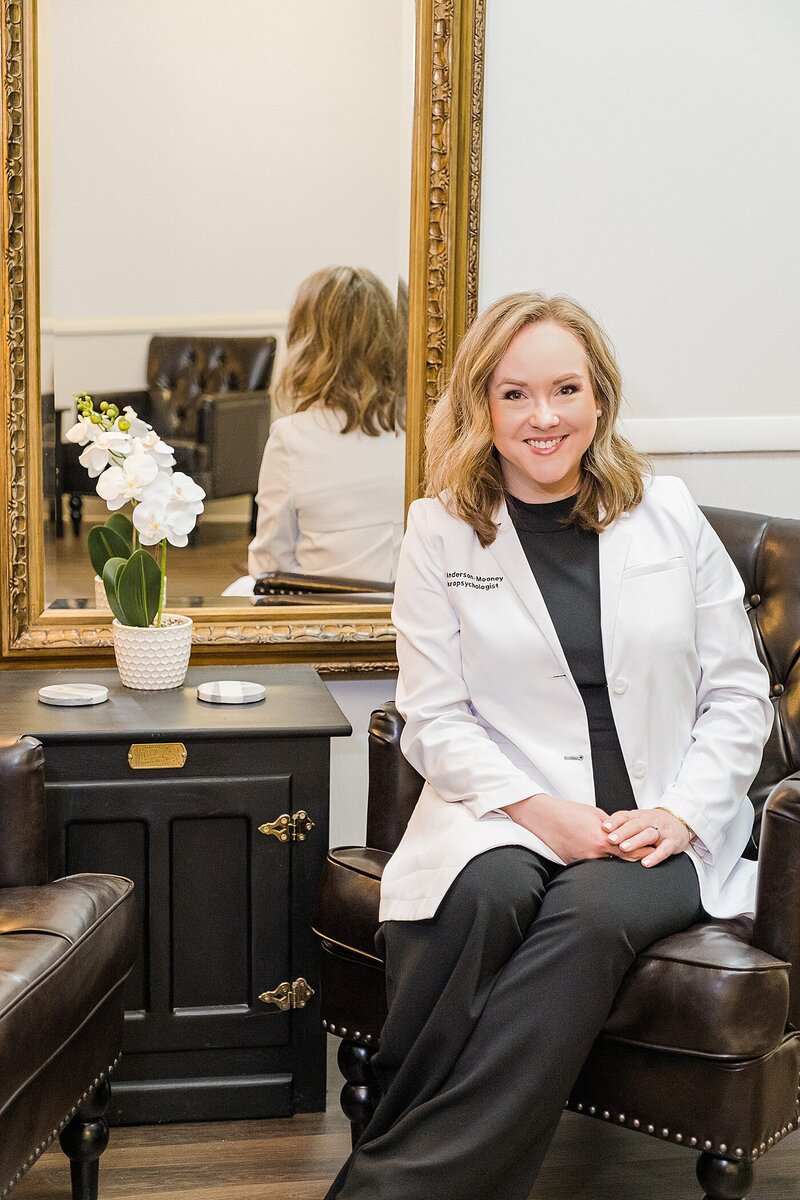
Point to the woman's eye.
(568, 389)
(514, 395)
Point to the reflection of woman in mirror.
(586, 763)
(331, 487)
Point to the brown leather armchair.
(702, 1047)
(66, 949)
(208, 397)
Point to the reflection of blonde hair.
(461, 458)
(341, 349)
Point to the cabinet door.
(213, 896)
(224, 913)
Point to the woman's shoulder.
(311, 424)
(666, 492)
(434, 515)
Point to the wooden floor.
(295, 1159)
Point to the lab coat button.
(620, 686)
(639, 769)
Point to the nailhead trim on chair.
(680, 1138)
(366, 1038)
(621, 1118)
(51, 1137)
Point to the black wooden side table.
(219, 814)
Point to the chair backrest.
(766, 551)
(181, 370)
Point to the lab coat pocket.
(653, 568)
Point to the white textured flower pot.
(100, 598)
(155, 658)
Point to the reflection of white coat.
(493, 714)
(329, 503)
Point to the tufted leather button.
(620, 686)
(755, 600)
(777, 689)
(639, 769)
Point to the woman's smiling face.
(544, 412)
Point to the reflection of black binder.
(291, 583)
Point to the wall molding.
(258, 322)
(713, 435)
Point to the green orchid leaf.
(139, 589)
(110, 577)
(123, 526)
(105, 543)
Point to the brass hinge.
(289, 995)
(289, 828)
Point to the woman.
(582, 695)
(330, 493)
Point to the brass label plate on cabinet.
(153, 756)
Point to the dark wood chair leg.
(361, 1092)
(253, 516)
(724, 1178)
(76, 512)
(84, 1139)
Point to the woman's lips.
(544, 446)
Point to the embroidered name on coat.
(481, 583)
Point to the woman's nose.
(543, 417)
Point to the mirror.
(86, 295)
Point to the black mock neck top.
(565, 561)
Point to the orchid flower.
(104, 450)
(184, 490)
(156, 521)
(150, 443)
(118, 485)
(83, 431)
(136, 427)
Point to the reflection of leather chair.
(702, 1047)
(208, 397)
(66, 949)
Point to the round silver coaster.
(231, 691)
(73, 695)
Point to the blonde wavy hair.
(462, 465)
(341, 350)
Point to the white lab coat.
(329, 503)
(493, 714)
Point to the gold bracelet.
(685, 824)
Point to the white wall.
(640, 155)
(356, 698)
(194, 168)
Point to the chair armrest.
(23, 830)
(776, 928)
(234, 426)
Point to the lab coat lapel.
(614, 546)
(507, 551)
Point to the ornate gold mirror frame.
(443, 294)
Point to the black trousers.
(494, 1004)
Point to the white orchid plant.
(132, 465)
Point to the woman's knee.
(505, 884)
(625, 904)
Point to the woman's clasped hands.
(649, 835)
(580, 831)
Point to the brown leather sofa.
(208, 397)
(702, 1047)
(66, 949)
